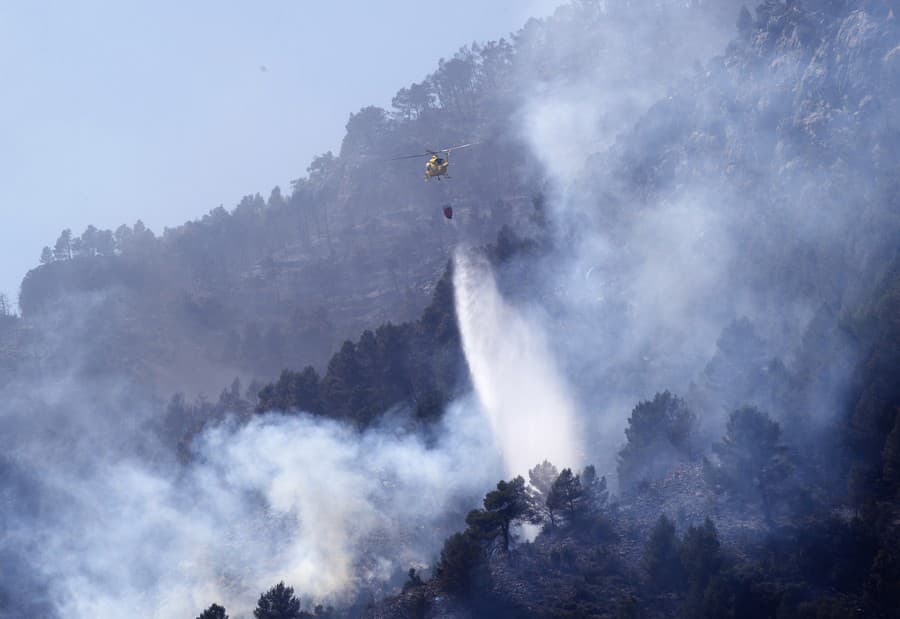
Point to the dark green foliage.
(738, 346)
(92, 242)
(509, 503)
(462, 568)
(412, 363)
(836, 554)
(438, 319)
(753, 462)
(414, 580)
(596, 494)
(483, 525)
(662, 559)
(736, 593)
(62, 250)
(183, 420)
(213, 612)
(66, 277)
(365, 132)
(278, 602)
(319, 612)
(751, 435)
(344, 386)
(660, 432)
(741, 372)
(429, 405)
(567, 497)
(700, 557)
(47, 255)
(412, 102)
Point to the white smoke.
(312, 502)
(628, 58)
(639, 285)
(523, 395)
(664, 239)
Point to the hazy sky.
(159, 111)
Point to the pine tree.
(278, 602)
(63, 248)
(414, 580)
(595, 490)
(541, 478)
(567, 496)
(461, 567)
(752, 458)
(47, 255)
(659, 432)
(213, 612)
(700, 556)
(662, 561)
(509, 503)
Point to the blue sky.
(159, 111)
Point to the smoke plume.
(328, 509)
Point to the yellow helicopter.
(436, 166)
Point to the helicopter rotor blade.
(410, 156)
(447, 150)
(428, 152)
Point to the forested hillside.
(671, 284)
(768, 489)
(358, 240)
(281, 281)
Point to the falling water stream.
(522, 394)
